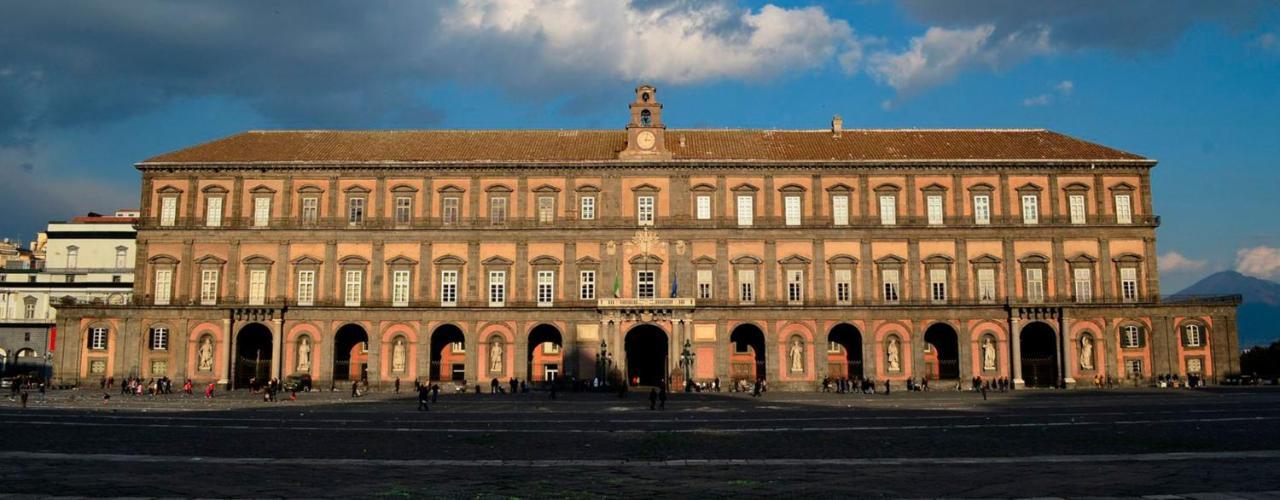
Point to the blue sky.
(89, 88)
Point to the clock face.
(645, 140)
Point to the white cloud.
(1261, 262)
(941, 54)
(1174, 262)
(1040, 100)
(1065, 87)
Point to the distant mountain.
(1258, 319)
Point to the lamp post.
(603, 362)
(686, 360)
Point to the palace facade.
(739, 254)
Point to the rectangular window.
(29, 310)
(122, 258)
(404, 209)
(257, 287)
(1133, 367)
(840, 210)
(987, 285)
(448, 288)
(497, 211)
(844, 286)
(1030, 209)
(98, 338)
(888, 210)
(646, 284)
(1131, 336)
(1129, 284)
(933, 203)
(213, 211)
(159, 367)
(310, 209)
(644, 210)
(400, 288)
(703, 203)
(746, 210)
(306, 288)
(546, 209)
(168, 210)
(352, 292)
(705, 282)
(497, 288)
(791, 205)
(208, 286)
(982, 209)
(1084, 284)
(587, 205)
(355, 211)
(1076, 202)
(1035, 285)
(261, 211)
(73, 257)
(891, 282)
(938, 285)
(449, 210)
(1124, 210)
(587, 285)
(546, 288)
(164, 286)
(747, 286)
(160, 339)
(795, 286)
(1193, 336)
(1194, 365)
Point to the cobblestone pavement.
(1213, 443)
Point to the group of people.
(517, 386)
(846, 385)
(21, 385)
(999, 384)
(137, 386)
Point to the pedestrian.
(23, 396)
(493, 386)
(756, 389)
(662, 398)
(435, 392)
(717, 384)
(653, 399)
(424, 393)
(984, 392)
(355, 389)
(886, 387)
(41, 389)
(208, 391)
(397, 385)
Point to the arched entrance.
(942, 362)
(646, 349)
(545, 359)
(350, 353)
(747, 359)
(448, 354)
(253, 354)
(1039, 355)
(4, 362)
(844, 352)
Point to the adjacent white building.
(88, 259)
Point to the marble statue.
(797, 356)
(495, 356)
(988, 354)
(304, 355)
(206, 355)
(397, 356)
(895, 362)
(1086, 353)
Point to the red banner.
(53, 338)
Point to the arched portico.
(448, 354)
(844, 352)
(253, 354)
(942, 360)
(545, 360)
(747, 356)
(1039, 349)
(647, 348)
(351, 353)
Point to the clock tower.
(646, 132)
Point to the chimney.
(837, 126)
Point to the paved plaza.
(1083, 443)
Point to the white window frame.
(746, 210)
(888, 209)
(747, 286)
(938, 285)
(1198, 368)
(208, 287)
(546, 209)
(1195, 336)
(645, 207)
(843, 286)
(1034, 284)
(546, 288)
(450, 213)
(353, 287)
(1082, 278)
(1124, 209)
(1076, 203)
(791, 210)
(73, 257)
(164, 286)
(311, 209)
(29, 309)
(98, 338)
(497, 288)
(706, 284)
(122, 258)
(795, 286)
(1030, 209)
(213, 211)
(257, 287)
(403, 209)
(646, 284)
(261, 211)
(933, 209)
(306, 287)
(982, 209)
(840, 210)
(497, 210)
(1129, 284)
(168, 210)
(702, 203)
(891, 285)
(400, 286)
(355, 211)
(587, 207)
(448, 288)
(159, 338)
(1133, 368)
(587, 285)
(1131, 336)
(986, 285)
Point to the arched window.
(646, 118)
(159, 338)
(98, 338)
(1193, 335)
(73, 256)
(1132, 336)
(29, 307)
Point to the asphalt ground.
(1216, 442)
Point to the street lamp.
(602, 362)
(686, 360)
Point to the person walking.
(756, 389)
(886, 387)
(435, 392)
(662, 398)
(984, 392)
(397, 385)
(653, 399)
(23, 396)
(208, 391)
(424, 393)
(355, 389)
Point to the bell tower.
(646, 138)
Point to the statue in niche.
(304, 355)
(797, 356)
(495, 356)
(1086, 353)
(988, 354)
(206, 355)
(895, 360)
(397, 356)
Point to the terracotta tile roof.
(530, 146)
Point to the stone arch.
(1038, 342)
(448, 357)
